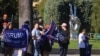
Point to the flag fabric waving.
(54, 32)
(50, 33)
(51, 29)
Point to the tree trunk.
(24, 11)
(25, 14)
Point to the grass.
(74, 44)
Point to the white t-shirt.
(81, 39)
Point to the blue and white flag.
(51, 29)
(15, 38)
(26, 28)
(50, 33)
(54, 32)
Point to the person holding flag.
(44, 46)
(3, 25)
(84, 43)
(23, 50)
(87, 45)
(8, 50)
(48, 38)
(25, 27)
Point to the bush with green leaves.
(51, 10)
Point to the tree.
(64, 13)
(24, 11)
(25, 14)
(51, 10)
(40, 7)
(95, 17)
(84, 13)
(9, 6)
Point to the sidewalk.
(76, 51)
(58, 55)
(71, 55)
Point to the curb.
(75, 51)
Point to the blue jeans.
(2, 46)
(63, 50)
(36, 48)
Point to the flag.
(26, 28)
(15, 38)
(50, 33)
(51, 29)
(60, 37)
(54, 33)
(87, 47)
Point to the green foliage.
(51, 10)
(95, 17)
(58, 10)
(40, 7)
(84, 13)
(9, 6)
